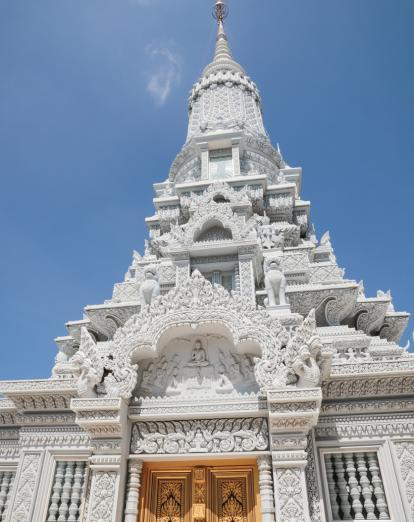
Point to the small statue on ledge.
(275, 284)
(150, 287)
(307, 366)
(91, 370)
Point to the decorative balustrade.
(6, 483)
(67, 492)
(355, 486)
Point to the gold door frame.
(204, 484)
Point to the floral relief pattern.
(405, 453)
(102, 496)
(232, 501)
(290, 494)
(170, 506)
(26, 488)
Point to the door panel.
(199, 494)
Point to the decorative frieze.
(63, 437)
(364, 426)
(366, 386)
(184, 408)
(200, 436)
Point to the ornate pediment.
(282, 358)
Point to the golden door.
(199, 493)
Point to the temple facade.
(236, 374)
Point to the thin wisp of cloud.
(166, 73)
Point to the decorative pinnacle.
(220, 11)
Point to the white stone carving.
(102, 496)
(191, 366)
(27, 479)
(300, 362)
(275, 283)
(91, 367)
(133, 487)
(150, 287)
(290, 495)
(200, 436)
(264, 464)
(405, 454)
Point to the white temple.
(236, 374)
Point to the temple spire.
(223, 59)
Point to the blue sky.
(93, 100)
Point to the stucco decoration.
(90, 365)
(205, 216)
(196, 302)
(197, 365)
(298, 359)
(218, 191)
(150, 287)
(200, 436)
(275, 283)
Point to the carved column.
(105, 420)
(133, 487)
(246, 272)
(292, 413)
(264, 464)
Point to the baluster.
(9, 486)
(132, 496)
(266, 488)
(333, 490)
(66, 491)
(381, 503)
(76, 491)
(3, 492)
(354, 490)
(5, 479)
(342, 487)
(366, 488)
(56, 492)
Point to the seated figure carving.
(198, 370)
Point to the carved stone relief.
(405, 454)
(200, 436)
(102, 496)
(27, 478)
(197, 365)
